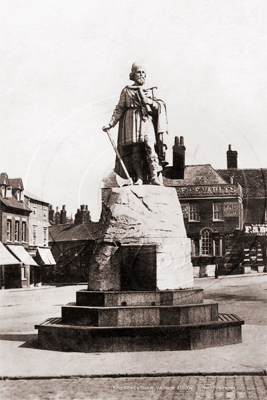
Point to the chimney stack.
(83, 215)
(178, 158)
(231, 158)
(63, 215)
(51, 214)
(57, 217)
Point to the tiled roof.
(33, 197)
(16, 183)
(12, 202)
(202, 174)
(70, 232)
(253, 181)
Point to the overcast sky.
(64, 63)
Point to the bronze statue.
(142, 122)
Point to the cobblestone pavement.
(171, 387)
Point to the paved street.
(239, 368)
(171, 387)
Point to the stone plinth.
(144, 244)
(143, 298)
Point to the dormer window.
(18, 195)
(3, 191)
(9, 192)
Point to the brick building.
(223, 211)
(14, 233)
(253, 238)
(38, 233)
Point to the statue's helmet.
(136, 65)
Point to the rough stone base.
(144, 244)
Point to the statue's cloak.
(135, 123)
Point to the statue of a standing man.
(142, 122)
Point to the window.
(34, 234)
(34, 212)
(185, 210)
(16, 231)
(218, 211)
(193, 212)
(8, 230)
(3, 191)
(45, 236)
(45, 214)
(24, 237)
(206, 240)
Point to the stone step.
(137, 298)
(53, 335)
(139, 316)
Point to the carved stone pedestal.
(168, 320)
(140, 293)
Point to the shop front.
(254, 248)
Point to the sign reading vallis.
(207, 190)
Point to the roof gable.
(16, 183)
(202, 174)
(253, 181)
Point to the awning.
(22, 254)
(6, 258)
(46, 256)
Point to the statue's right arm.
(119, 110)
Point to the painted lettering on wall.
(231, 209)
(255, 229)
(207, 191)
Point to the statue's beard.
(140, 81)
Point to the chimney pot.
(176, 141)
(181, 141)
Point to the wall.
(13, 217)
(39, 219)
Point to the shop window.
(218, 212)
(16, 231)
(24, 226)
(8, 230)
(206, 242)
(193, 212)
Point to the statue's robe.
(135, 123)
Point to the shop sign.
(208, 191)
(255, 229)
(231, 209)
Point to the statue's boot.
(154, 168)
